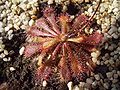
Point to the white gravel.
(12, 69)
(44, 83)
(70, 85)
(21, 51)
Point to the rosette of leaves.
(62, 45)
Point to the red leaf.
(44, 72)
(50, 15)
(48, 11)
(64, 70)
(78, 62)
(93, 39)
(64, 19)
(34, 31)
(42, 23)
(63, 67)
(31, 49)
(79, 22)
(88, 47)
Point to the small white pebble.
(17, 20)
(119, 29)
(106, 85)
(70, 85)
(113, 20)
(98, 52)
(23, 6)
(12, 68)
(16, 26)
(106, 5)
(1, 24)
(115, 36)
(115, 76)
(94, 60)
(114, 88)
(1, 49)
(98, 62)
(5, 59)
(50, 1)
(10, 36)
(72, 17)
(110, 31)
(89, 80)
(2, 55)
(87, 86)
(15, 1)
(23, 27)
(118, 72)
(44, 83)
(106, 45)
(7, 29)
(118, 49)
(94, 54)
(106, 62)
(114, 80)
(10, 25)
(102, 9)
(5, 52)
(115, 10)
(9, 58)
(111, 61)
(21, 50)
(109, 74)
(1, 41)
(65, 9)
(94, 83)
(31, 22)
(98, 21)
(102, 63)
(3, 46)
(97, 77)
(10, 32)
(1, 29)
(90, 10)
(87, 0)
(91, 31)
(81, 84)
(1, 38)
(110, 48)
(76, 87)
(28, 6)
